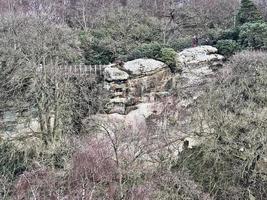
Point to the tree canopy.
(248, 12)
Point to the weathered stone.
(118, 101)
(198, 65)
(115, 74)
(147, 106)
(142, 87)
(143, 67)
(116, 105)
(148, 77)
(198, 55)
(9, 116)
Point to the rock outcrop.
(13, 123)
(199, 55)
(155, 103)
(149, 112)
(146, 80)
(143, 67)
(199, 62)
(114, 74)
(137, 81)
(198, 65)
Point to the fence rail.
(74, 70)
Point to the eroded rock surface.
(150, 81)
(154, 106)
(199, 55)
(114, 74)
(137, 81)
(143, 67)
(198, 68)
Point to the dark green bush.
(248, 12)
(253, 35)
(96, 47)
(116, 38)
(168, 56)
(181, 43)
(227, 47)
(150, 50)
(230, 34)
(213, 35)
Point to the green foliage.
(253, 35)
(213, 35)
(227, 47)
(181, 43)
(168, 56)
(150, 50)
(97, 47)
(123, 33)
(248, 13)
(230, 34)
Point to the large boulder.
(145, 89)
(116, 105)
(135, 82)
(144, 67)
(198, 55)
(198, 65)
(115, 74)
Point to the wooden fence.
(74, 70)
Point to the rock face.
(137, 81)
(141, 67)
(150, 108)
(115, 74)
(198, 65)
(145, 103)
(199, 55)
(146, 80)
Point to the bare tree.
(31, 54)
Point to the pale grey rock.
(198, 55)
(118, 100)
(193, 141)
(141, 67)
(148, 77)
(116, 105)
(9, 116)
(115, 74)
(198, 64)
